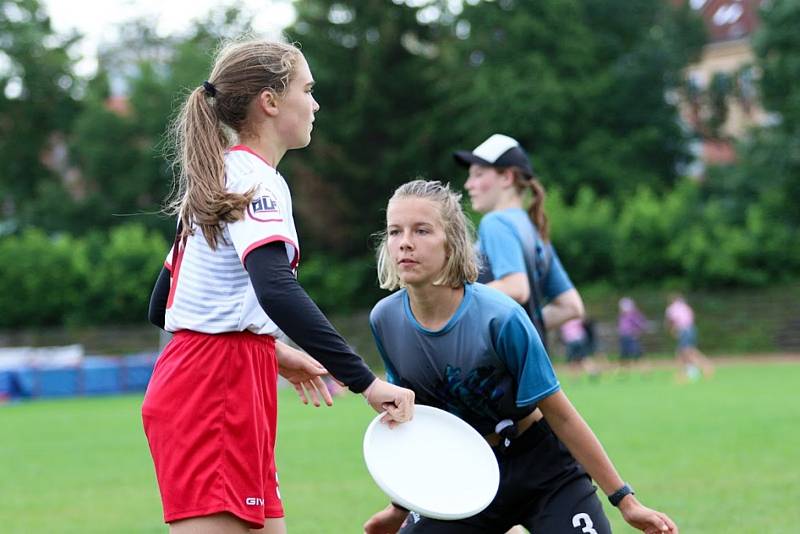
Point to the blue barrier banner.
(95, 375)
(101, 376)
(57, 382)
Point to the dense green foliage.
(688, 236)
(705, 453)
(37, 105)
(674, 240)
(580, 86)
(41, 279)
(97, 279)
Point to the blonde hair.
(200, 133)
(462, 263)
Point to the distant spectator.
(631, 325)
(579, 343)
(679, 319)
(574, 337)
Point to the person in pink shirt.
(576, 340)
(573, 335)
(679, 318)
(631, 325)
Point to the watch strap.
(616, 497)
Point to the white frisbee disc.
(435, 464)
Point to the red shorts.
(210, 416)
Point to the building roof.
(727, 20)
(118, 104)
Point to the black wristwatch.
(616, 497)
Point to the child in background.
(514, 244)
(679, 317)
(630, 326)
(573, 335)
(579, 346)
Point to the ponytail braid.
(536, 210)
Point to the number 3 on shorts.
(583, 520)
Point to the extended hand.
(304, 373)
(645, 519)
(387, 521)
(396, 401)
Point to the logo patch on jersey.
(264, 207)
(266, 203)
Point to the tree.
(760, 192)
(124, 154)
(777, 47)
(768, 171)
(583, 85)
(37, 107)
(373, 130)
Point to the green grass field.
(719, 456)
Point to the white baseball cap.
(497, 151)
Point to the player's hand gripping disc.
(435, 464)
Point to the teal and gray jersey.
(485, 365)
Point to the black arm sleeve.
(158, 299)
(286, 303)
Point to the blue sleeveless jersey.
(501, 235)
(485, 365)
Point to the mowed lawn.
(720, 456)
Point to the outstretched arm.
(290, 307)
(573, 431)
(298, 317)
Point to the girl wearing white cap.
(514, 243)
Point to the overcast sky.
(96, 20)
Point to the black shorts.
(576, 351)
(542, 487)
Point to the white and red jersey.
(210, 290)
